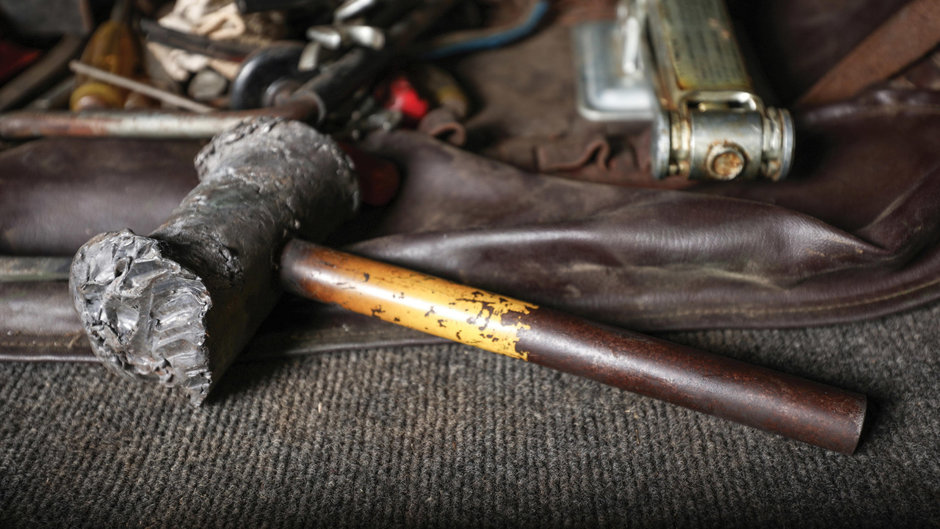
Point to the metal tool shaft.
(755, 396)
(155, 125)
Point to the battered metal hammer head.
(179, 305)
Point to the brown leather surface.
(909, 34)
(56, 194)
(852, 234)
(798, 41)
(527, 116)
(660, 259)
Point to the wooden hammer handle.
(755, 396)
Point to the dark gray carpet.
(448, 436)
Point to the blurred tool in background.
(58, 31)
(112, 48)
(14, 58)
(482, 39)
(333, 90)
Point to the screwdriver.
(112, 48)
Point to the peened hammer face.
(179, 305)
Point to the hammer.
(179, 305)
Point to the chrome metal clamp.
(676, 65)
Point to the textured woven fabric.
(449, 436)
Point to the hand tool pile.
(178, 305)
(233, 64)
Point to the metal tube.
(755, 396)
(157, 125)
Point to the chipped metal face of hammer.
(178, 306)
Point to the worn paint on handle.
(798, 408)
(405, 297)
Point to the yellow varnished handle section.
(112, 48)
(405, 297)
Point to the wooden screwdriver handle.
(755, 396)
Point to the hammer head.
(178, 306)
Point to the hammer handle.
(755, 396)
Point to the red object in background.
(378, 177)
(403, 97)
(14, 58)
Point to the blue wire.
(496, 40)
